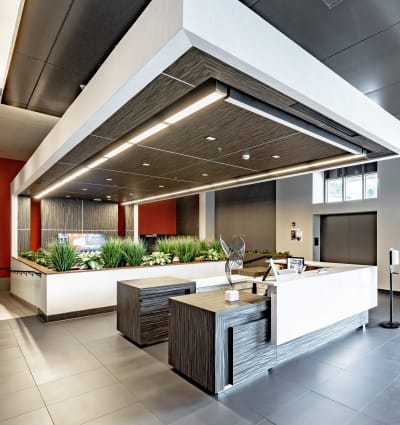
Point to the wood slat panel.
(61, 214)
(100, 216)
(24, 212)
(24, 239)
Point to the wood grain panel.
(61, 214)
(86, 149)
(143, 308)
(129, 222)
(159, 94)
(100, 216)
(24, 212)
(24, 239)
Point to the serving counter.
(218, 344)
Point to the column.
(207, 215)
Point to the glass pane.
(334, 190)
(371, 186)
(353, 188)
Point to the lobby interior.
(283, 100)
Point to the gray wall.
(24, 218)
(187, 215)
(250, 211)
(77, 216)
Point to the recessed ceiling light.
(109, 179)
(161, 185)
(84, 188)
(67, 196)
(211, 138)
(205, 175)
(275, 156)
(220, 149)
(175, 177)
(131, 194)
(108, 196)
(246, 156)
(146, 164)
(97, 199)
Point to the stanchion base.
(390, 325)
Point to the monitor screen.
(83, 241)
(295, 262)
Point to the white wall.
(294, 203)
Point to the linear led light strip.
(250, 179)
(178, 116)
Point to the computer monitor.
(293, 263)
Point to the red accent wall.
(158, 217)
(121, 220)
(8, 170)
(36, 225)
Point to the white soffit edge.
(238, 36)
(229, 31)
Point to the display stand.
(393, 260)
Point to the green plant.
(216, 244)
(43, 258)
(203, 245)
(186, 248)
(89, 260)
(28, 254)
(156, 258)
(133, 251)
(210, 255)
(166, 245)
(112, 253)
(62, 256)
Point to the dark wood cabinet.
(142, 307)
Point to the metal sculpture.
(234, 254)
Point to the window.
(351, 183)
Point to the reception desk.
(219, 344)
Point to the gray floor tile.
(36, 417)
(90, 405)
(263, 396)
(361, 419)
(13, 366)
(312, 409)
(213, 414)
(386, 407)
(352, 390)
(307, 371)
(389, 350)
(71, 386)
(20, 402)
(132, 415)
(16, 382)
(158, 351)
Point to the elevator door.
(349, 238)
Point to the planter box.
(71, 294)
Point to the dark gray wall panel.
(24, 217)
(187, 215)
(76, 216)
(250, 211)
(349, 238)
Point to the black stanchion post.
(393, 260)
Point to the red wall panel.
(8, 170)
(158, 217)
(36, 226)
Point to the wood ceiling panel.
(86, 149)
(234, 127)
(159, 94)
(299, 146)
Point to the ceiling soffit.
(180, 157)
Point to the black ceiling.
(60, 45)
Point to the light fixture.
(275, 156)
(147, 133)
(97, 162)
(10, 17)
(109, 179)
(108, 196)
(161, 186)
(194, 107)
(131, 194)
(84, 189)
(246, 156)
(146, 164)
(118, 150)
(253, 178)
(97, 199)
(67, 196)
(211, 138)
(205, 175)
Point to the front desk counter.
(218, 344)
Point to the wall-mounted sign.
(296, 235)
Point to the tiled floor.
(10, 308)
(83, 372)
